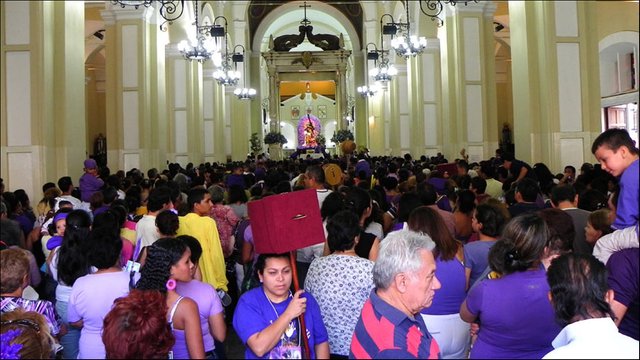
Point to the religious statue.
(100, 150)
(308, 130)
(310, 135)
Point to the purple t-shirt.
(91, 299)
(255, 312)
(449, 297)
(208, 304)
(623, 278)
(89, 184)
(516, 317)
(629, 198)
(476, 258)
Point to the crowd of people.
(422, 258)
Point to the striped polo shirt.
(383, 332)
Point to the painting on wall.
(295, 112)
(322, 111)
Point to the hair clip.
(512, 255)
(23, 322)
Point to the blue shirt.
(384, 332)
(449, 297)
(476, 258)
(254, 313)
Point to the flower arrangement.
(321, 140)
(273, 137)
(342, 135)
(256, 146)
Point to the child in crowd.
(598, 225)
(618, 155)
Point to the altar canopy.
(308, 130)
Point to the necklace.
(290, 328)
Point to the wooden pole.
(296, 287)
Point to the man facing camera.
(390, 325)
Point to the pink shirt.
(226, 221)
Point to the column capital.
(115, 13)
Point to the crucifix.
(305, 21)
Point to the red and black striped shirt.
(383, 332)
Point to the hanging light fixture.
(404, 44)
(367, 91)
(204, 48)
(170, 10)
(384, 71)
(242, 93)
(433, 8)
(225, 74)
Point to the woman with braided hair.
(168, 260)
(515, 316)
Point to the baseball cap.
(90, 164)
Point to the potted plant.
(275, 141)
(273, 137)
(342, 135)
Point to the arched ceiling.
(284, 19)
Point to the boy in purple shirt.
(89, 182)
(618, 155)
(623, 279)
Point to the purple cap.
(60, 216)
(90, 164)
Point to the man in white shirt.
(146, 231)
(65, 184)
(581, 299)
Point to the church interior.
(144, 83)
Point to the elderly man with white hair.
(390, 325)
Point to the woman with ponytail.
(168, 261)
(68, 263)
(515, 316)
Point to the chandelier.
(384, 71)
(433, 8)
(367, 91)
(226, 75)
(204, 48)
(243, 93)
(405, 44)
